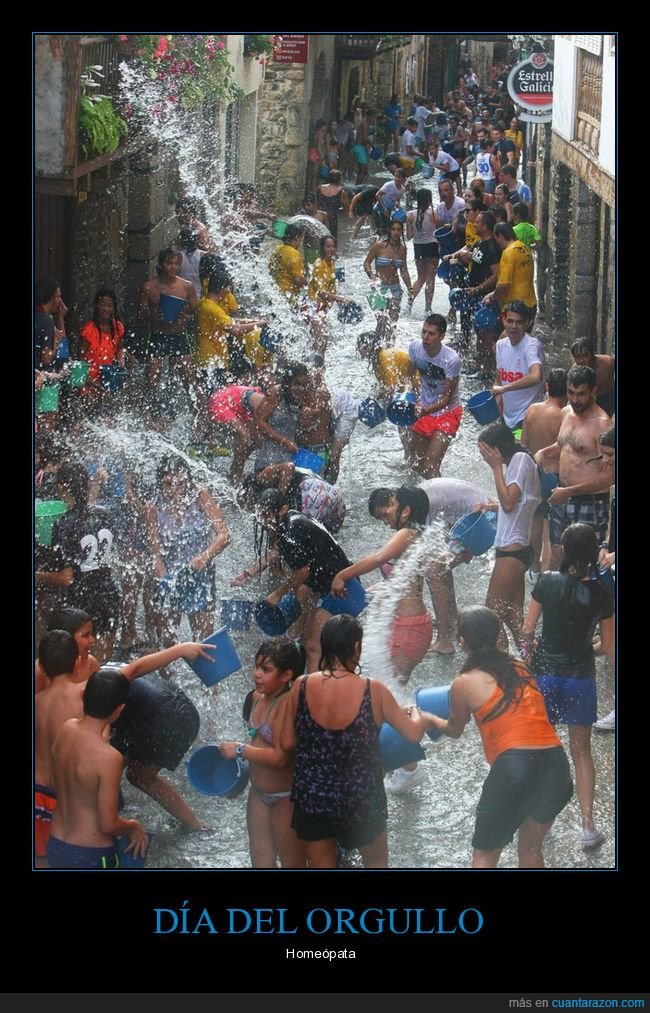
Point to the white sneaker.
(592, 838)
(402, 779)
(606, 724)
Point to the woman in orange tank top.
(529, 781)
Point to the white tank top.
(425, 234)
(484, 168)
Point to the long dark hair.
(424, 201)
(337, 641)
(580, 545)
(285, 653)
(480, 627)
(106, 293)
(418, 501)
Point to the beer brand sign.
(530, 85)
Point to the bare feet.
(442, 647)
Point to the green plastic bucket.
(47, 399)
(78, 373)
(279, 228)
(45, 514)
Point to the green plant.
(187, 69)
(261, 45)
(100, 128)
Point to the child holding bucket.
(278, 662)
(529, 781)
(102, 337)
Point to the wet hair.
(480, 627)
(517, 306)
(504, 229)
(475, 204)
(579, 375)
(209, 264)
(370, 342)
(105, 690)
(338, 639)
(74, 479)
(417, 500)
(502, 188)
(44, 290)
(498, 435)
(169, 253)
(436, 320)
(321, 244)
(106, 293)
(489, 219)
(424, 200)
(172, 464)
(291, 370)
(187, 240)
(69, 619)
(334, 177)
(219, 280)
(292, 232)
(521, 211)
(270, 501)
(380, 498)
(412, 119)
(580, 545)
(608, 438)
(286, 654)
(583, 345)
(509, 171)
(556, 381)
(499, 214)
(58, 653)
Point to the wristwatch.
(239, 751)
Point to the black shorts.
(524, 556)
(102, 603)
(426, 251)
(451, 176)
(521, 783)
(157, 346)
(325, 828)
(160, 743)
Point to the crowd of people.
(122, 537)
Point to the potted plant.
(100, 128)
(261, 45)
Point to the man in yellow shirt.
(516, 272)
(286, 264)
(214, 325)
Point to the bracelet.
(239, 751)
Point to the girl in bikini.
(278, 662)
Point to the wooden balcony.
(589, 101)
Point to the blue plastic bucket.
(401, 409)
(395, 750)
(444, 270)
(339, 273)
(269, 339)
(475, 532)
(375, 154)
(445, 239)
(236, 614)
(398, 215)
(548, 480)
(127, 861)
(427, 171)
(226, 660)
(112, 378)
(304, 458)
(487, 317)
(354, 602)
(63, 349)
(349, 313)
(275, 620)
(483, 407)
(371, 413)
(210, 773)
(45, 514)
(436, 701)
(170, 307)
(324, 171)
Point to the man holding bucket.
(438, 411)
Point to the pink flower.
(162, 75)
(220, 45)
(175, 67)
(162, 47)
(123, 38)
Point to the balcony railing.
(589, 100)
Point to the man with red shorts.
(438, 411)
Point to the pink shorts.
(446, 422)
(411, 635)
(228, 404)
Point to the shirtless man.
(86, 772)
(165, 338)
(583, 492)
(541, 427)
(604, 366)
(315, 416)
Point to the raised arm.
(395, 546)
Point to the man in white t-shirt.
(520, 366)
(408, 143)
(449, 206)
(438, 411)
(424, 116)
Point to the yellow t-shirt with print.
(323, 279)
(516, 270)
(287, 269)
(211, 340)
